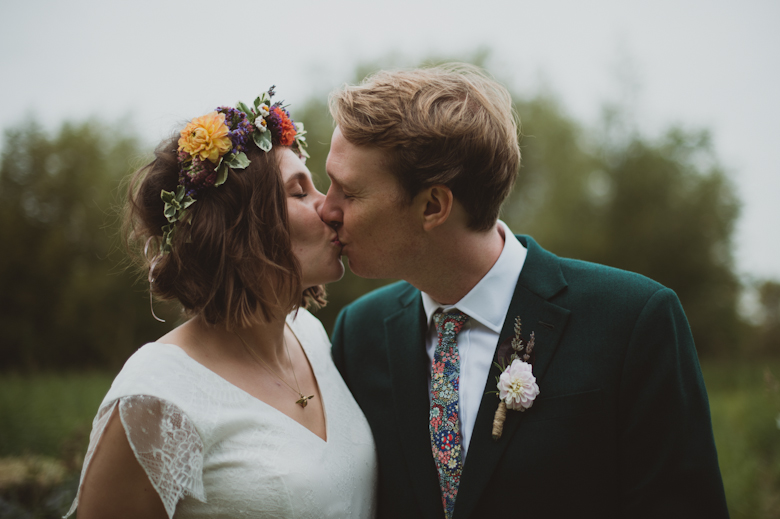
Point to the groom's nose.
(330, 212)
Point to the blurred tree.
(769, 329)
(65, 300)
(665, 209)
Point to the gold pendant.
(304, 400)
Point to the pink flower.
(517, 386)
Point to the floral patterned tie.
(444, 420)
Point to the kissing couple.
(495, 380)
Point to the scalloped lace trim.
(164, 441)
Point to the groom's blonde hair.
(451, 124)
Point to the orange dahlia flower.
(287, 130)
(206, 136)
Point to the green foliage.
(49, 414)
(46, 421)
(745, 408)
(768, 333)
(66, 301)
(319, 127)
(664, 208)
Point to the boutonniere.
(517, 387)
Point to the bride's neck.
(263, 339)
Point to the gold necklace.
(303, 401)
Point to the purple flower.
(239, 127)
(274, 124)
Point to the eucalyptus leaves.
(175, 210)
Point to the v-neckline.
(264, 403)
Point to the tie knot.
(451, 321)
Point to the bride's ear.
(438, 201)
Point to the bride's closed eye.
(298, 190)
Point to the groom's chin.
(359, 269)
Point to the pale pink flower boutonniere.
(517, 387)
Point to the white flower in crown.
(260, 124)
(264, 111)
(517, 386)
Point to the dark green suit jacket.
(621, 427)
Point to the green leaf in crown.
(238, 161)
(263, 140)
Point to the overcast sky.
(703, 64)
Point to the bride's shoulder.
(154, 353)
(151, 363)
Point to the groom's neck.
(456, 262)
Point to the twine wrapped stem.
(498, 421)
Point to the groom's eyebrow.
(334, 179)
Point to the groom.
(420, 163)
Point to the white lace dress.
(212, 450)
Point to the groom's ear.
(438, 205)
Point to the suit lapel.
(539, 281)
(409, 369)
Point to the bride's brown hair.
(231, 261)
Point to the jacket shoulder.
(611, 290)
(384, 299)
(549, 275)
(595, 275)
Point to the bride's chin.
(334, 273)
(338, 272)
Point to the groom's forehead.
(350, 163)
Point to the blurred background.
(649, 133)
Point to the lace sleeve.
(164, 441)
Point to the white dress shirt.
(486, 305)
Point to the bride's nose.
(319, 201)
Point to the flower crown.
(214, 143)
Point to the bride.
(238, 412)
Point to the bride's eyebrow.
(297, 178)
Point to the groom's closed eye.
(339, 189)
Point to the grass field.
(745, 408)
(45, 422)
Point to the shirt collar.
(489, 300)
